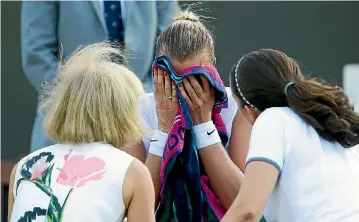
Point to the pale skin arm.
(239, 142)
(224, 176)
(258, 184)
(152, 162)
(11, 193)
(138, 193)
(237, 150)
(217, 164)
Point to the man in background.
(48, 26)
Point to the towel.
(185, 191)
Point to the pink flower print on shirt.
(39, 168)
(77, 170)
(35, 166)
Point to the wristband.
(205, 134)
(158, 143)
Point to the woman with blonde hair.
(187, 44)
(92, 113)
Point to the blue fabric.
(83, 23)
(113, 20)
(267, 160)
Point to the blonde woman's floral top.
(72, 183)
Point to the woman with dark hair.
(303, 159)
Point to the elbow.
(227, 203)
(235, 190)
(248, 216)
(245, 214)
(228, 196)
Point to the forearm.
(241, 211)
(153, 164)
(239, 141)
(154, 159)
(231, 215)
(224, 176)
(256, 189)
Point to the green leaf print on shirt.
(31, 215)
(77, 171)
(54, 210)
(38, 170)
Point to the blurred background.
(322, 36)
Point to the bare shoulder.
(13, 173)
(137, 170)
(139, 191)
(137, 179)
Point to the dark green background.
(322, 36)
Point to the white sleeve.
(147, 116)
(229, 115)
(233, 111)
(268, 138)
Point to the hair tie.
(287, 86)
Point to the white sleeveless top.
(69, 183)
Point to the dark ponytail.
(327, 109)
(260, 78)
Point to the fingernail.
(173, 83)
(180, 85)
(166, 74)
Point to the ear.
(251, 113)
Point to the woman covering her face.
(187, 43)
(92, 114)
(303, 159)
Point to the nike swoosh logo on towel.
(209, 133)
(154, 140)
